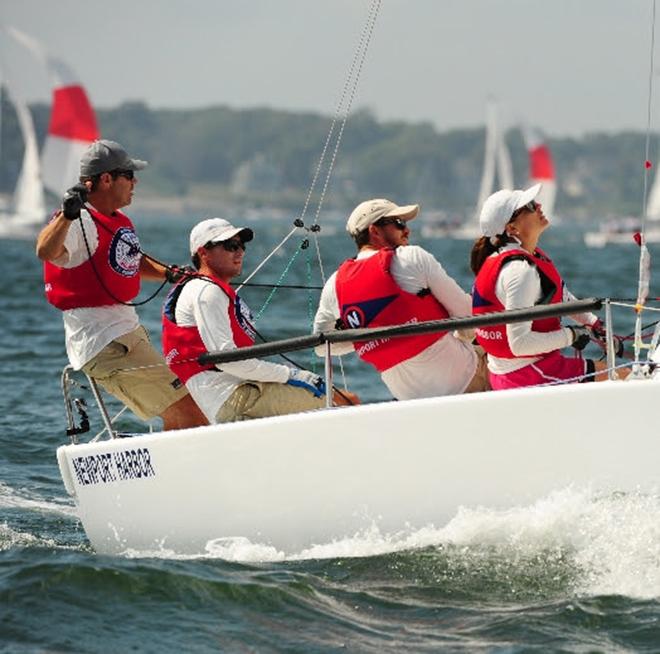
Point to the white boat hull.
(294, 481)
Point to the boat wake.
(598, 545)
(10, 498)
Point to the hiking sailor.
(390, 282)
(204, 313)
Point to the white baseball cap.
(499, 207)
(367, 213)
(214, 230)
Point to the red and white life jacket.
(368, 296)
(183, 344)
(113, 270)
(493, 338)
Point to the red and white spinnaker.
(72, 125)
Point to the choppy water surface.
(573, 572)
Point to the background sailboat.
(27, 210)
(497, 163)
(73, 125)
(621, 231)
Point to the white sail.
(653, 203)
(72, 125)
(29, 202)
(27, 210)
(488, 172)
(497, 164)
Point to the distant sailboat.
(72, 125)
(27, 210)
(497, 163)
(622, 231)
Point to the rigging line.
(299, 224)
(263, 263)
(644, 257)
(98, 275)
(371, 23)
(268, 300)
(297, 286)
(338, 108)
(647, 161)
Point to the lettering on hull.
(113, 466)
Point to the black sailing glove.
(581, 336)
(73, 201)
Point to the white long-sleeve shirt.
(519, 286)
(205, 305)
(444, 368)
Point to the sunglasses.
(399, 223)
(127, 174)
(229, 246)
(531, 206)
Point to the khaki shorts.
(135, 373)
(480, 381)
(261, 399)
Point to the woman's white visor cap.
(499, 207)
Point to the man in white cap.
(391, 282)
(93, 265)
(203, 313)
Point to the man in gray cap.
(391, 282)
(93, 265)
(204, 313)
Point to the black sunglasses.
(128, 174)
(399, 223)
(531, 206)
(229, 246)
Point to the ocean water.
(571, 573)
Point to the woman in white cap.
(513, 273)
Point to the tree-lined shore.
(265, 158)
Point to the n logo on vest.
(361, 314)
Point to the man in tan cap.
(391, 282)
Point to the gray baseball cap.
(103, 156)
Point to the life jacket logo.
(244, 317)
(354, 318)
(361, 314)
(124, 255)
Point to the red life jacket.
(368, 296)
(493, 338)
(116, 261)
(182, 345)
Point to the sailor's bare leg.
(182, 414)
(602, 374)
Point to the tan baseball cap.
(370, 211)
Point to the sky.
(567, 66)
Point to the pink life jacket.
(493, 338)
